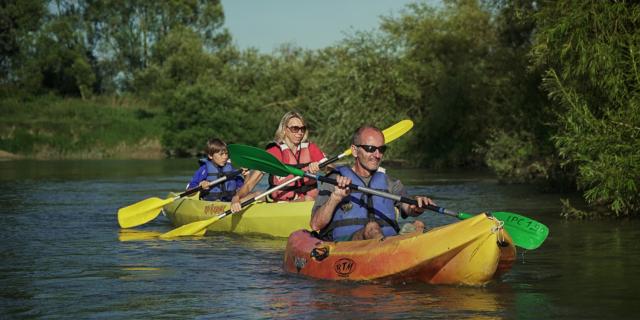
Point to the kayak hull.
(277, 219)
(469, 252)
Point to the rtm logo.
(344, 267)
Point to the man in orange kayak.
(340, 214)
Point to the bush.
(514, 157)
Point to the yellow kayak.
(469, 252)
(276, 219)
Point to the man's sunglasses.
(372, 149)
(296, 129)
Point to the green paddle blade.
(257, 159)
(526, 232)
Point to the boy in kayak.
(292, 147)
(340, 214)
(213, 167)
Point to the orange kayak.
(469, 252)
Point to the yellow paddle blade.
(197, 228)
(391, 133)
(141, 212)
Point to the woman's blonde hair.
(279, 136)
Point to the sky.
(310, 24)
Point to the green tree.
(219, 94)
(450, 54)
(519, 148)
(81, 47)
(356, 82)
(126, 31)
(590, 51)
(19, 20)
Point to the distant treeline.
(539, 91)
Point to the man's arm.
(327, 201)
(408, 210)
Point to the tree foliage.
(80, 48)
(590, 51)
(358, 82)
(469, 71)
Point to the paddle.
(390, 134)
(148, 209)
(526, 233)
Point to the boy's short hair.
(215, 145)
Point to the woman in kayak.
(291, 146)
(215, 166)
(340, 214)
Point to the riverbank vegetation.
(543, 92)
(51, 127)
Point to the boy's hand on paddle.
(205, 184)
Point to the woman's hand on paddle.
(314, 167)
(341, 190)
(205, 184)
(235, 204)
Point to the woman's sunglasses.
(372, 149)
(296, 129)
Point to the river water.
(62, 256)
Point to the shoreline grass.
(50, 127)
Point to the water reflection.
(375, 301)
(125, 235)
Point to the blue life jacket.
(357, 209)
(222, 191)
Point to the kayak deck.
(276, 219)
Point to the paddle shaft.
(256, 198)
(281, 186)
(322, 165)
(214, 182)
(384, 194)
